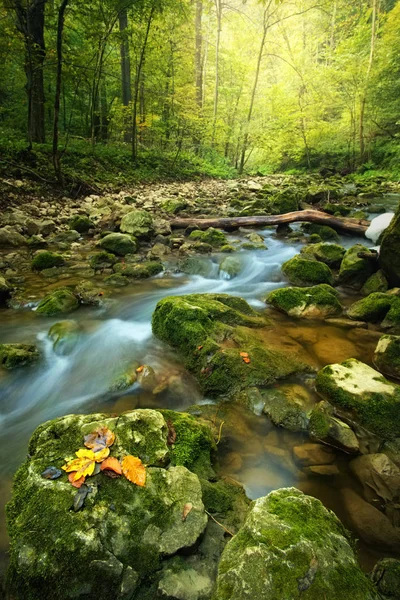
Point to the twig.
(220, 524)
(9, 162)
(220, 431)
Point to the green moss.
(301, 271)
(227, 248)
(325, 233)
(354, 271)
(119, 243)
(102, 260)
(81, 224)
(319, 424)
(314, 239)
(116, 280)
(292, 300)
(392, 318)
(211, 236)
(373, 308)
(46, 260)
(17, 355)
(140, 270)
(174, 206)
(376, 283)
(388, 360)
(60, 301)
(330, 254)
(284, 202)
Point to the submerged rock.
(46, 260)
(118, 243)
(230, 267)
(301, 271)
(59, 302)
(387, 355)
(291, 546)
(317, 302)
(18, 355)
(140, 270)
(65, 336)
(379, 476)
(288, 406)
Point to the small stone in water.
(51, 473)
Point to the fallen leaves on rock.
(171, 437)
(51, 473)
(82, 466)
(134, 470)
(245, 357)
(140, 369)
(112, 465)
(99, 439)
(186, 510)
(77, 483)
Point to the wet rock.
(61, 301)
(46, 260)
(378, 475)
(290, 545)
(369, 523)
(309, 454)
(140, 270)
(315, 302)
(376, 283)
(230, 267)
(118, 243)
(5, 290)
(284, 202)
(196, 265)
(18, 355)
(227, 248)
(387, 355)
(138, 223)
(147, 378)
(358, 390)
(389, 255)
(81, 224)
(65, 238)
(283, 229)
(386, 577)
(65, 336)
(124, 380)
(102, 260)
(324, 426)
(303, 272)
(123, 532)
(354, 271)
(161, 226)
(174, 206)
(88, 294)
(36, 242)
(11, 237)
(287, 406)
(375, 307)
(211, 236)
(330, 254)
(323, 470)
(158, 251)
(346, 323)
(255, 238)
(327, 234)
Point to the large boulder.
(387, 355)
(61, 301)
(118, 243)
(216, 336)
(18, 355)
(5, 290)
(389, 255)
(317, 302)
(359, 391)
(138, 223)
(303, 272)
(355, 269)
(377, 307)
(289, 547)
(330, 254)
(11, 237)
(114, 540)
(211, 236)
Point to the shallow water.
(256, 454)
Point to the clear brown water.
(252, 451)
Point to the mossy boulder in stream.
(326, 233)
(138, 223)
(363, 394)
(122, 535)
(330, 254)
(211, 332)
(18, 355)
(214, 237)
(291, 546)
(81, 224)
(140, 270)
(59, 302)
(389, 255)
(387, 355)
(375, 308)
(46, 260)
(317, 302)
(301, 271)
(65, 336)
(355, 270)
(376, 283)
(118, 243)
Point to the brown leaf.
(246, 360)
(140, 369)
(244, 354)
(77, 483)
(134, 470)
(111, 464)
(199, 347)
(171, 437)
(99, 439)
(186, 510)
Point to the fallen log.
(345, 225)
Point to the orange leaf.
(111, 464)
(199, 347)
(246, 360)
(77, 483)
(99, 439)
(134, 470)
(244, 354)
(101, 455)
(140, 369)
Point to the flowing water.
(253, 452)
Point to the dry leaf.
(246, 360)
(83, 465)
(199, 347)
(134, 470)
(171, 437)
(101, 455)
(140, 369)
(101, 438)
(186, 510)
(244, 354)
(111, 464)
(77, 483)
(51, 473)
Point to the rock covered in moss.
(5, 290)
(230, 267)
(355, 270)
(288, 406)
(118, 243)
(291, 546)
(88, 294)
(326, 233)
(197, 265)
(303, 272)
(326, 427)
(138, 223)
(387, 355)
(284, 202)
(376, 283)
(389, 255)
(46, 260)
(140, 270)
(61, 301)
(10, 237)
(317, 302)
(18, 355)
(102, 260)
(330, 254)
(355, 388)
(386, 576)
(212, 236)
(174, 206)
(123, 532)
(81, 224)
(199, 324)
(65, 336)
(375, 308)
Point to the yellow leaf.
(134, 470)
(83, 453)
(83, 465)
(101, 455)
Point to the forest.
(218, 87)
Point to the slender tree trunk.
(60, 28)
(198, 54)
(125, 71)
(218, 6)
(363, 99)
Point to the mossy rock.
(376, 283)
(291, 546)
(337, 209)
(118, 243)
(116, 280)
(173, 206)
(61, 301)
(123, 532)
(81, 224)
(65, 336)
(375, 308)
(359, 390)
(46, 260)
(102, 260)
(386, 576)
(138, 223)
(140, 270)
(199, 325)
(302, 272)
(326, 233)
(325, 427)
(284, 202)
(5, 290)
(288, 406)
(214, 237)
(330, 254)
(317, 302)
(354, 271)
(230, 267)
(227, 248)
(387, 355)
(197, 265)
(18, 355)
(389, 255)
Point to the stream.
(254, 453)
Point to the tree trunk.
(363, 99)
(198, 54)
(60, 28)
(353, 226)
(125, 71)
(218, 5)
